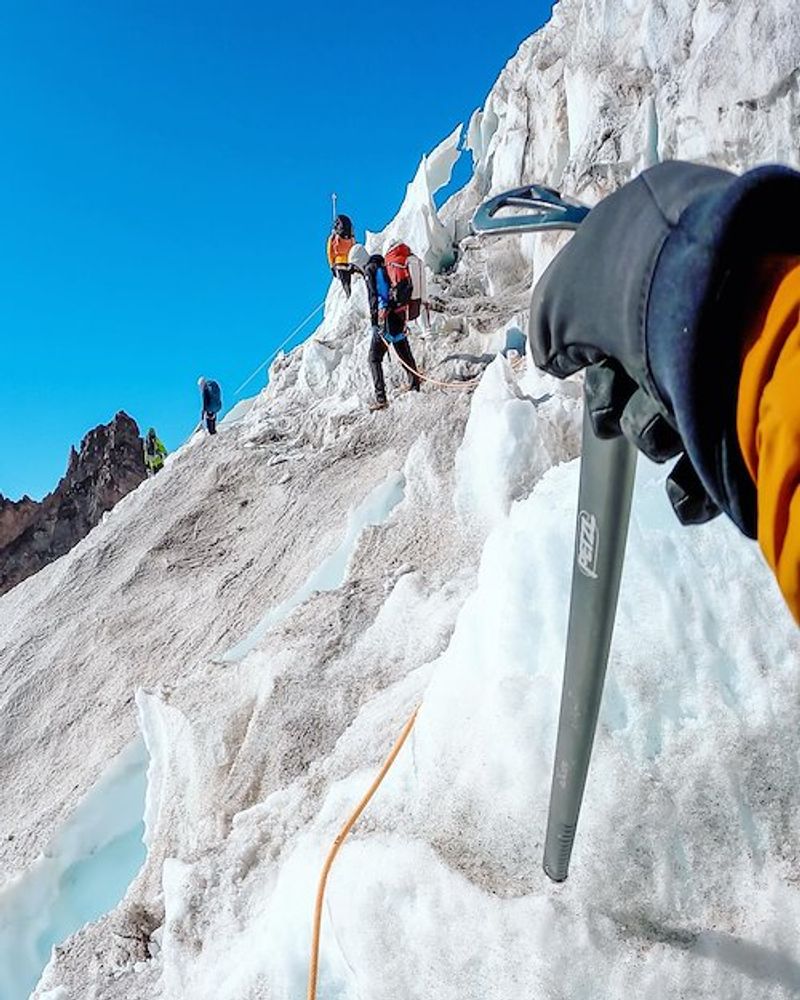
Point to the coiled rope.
(313, 969)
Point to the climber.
(680, 294)
(339, 243)
(212, 403)
(388, 320)
(154, 453)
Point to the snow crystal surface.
(421, 556)
(238, 411)
(331, 573)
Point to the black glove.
(650, 293)
(334, 272)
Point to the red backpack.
(400, 267)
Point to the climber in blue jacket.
(212, 403)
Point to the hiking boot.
(379, 404)
(415, 387)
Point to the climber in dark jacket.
(680, 294)
(212, 403)
(388, 322)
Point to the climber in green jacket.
(154, 452)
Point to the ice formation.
(418, 223)
(359, 565)
(83, 873)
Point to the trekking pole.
(333, 202)
(605, 494)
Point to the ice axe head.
(531, 209)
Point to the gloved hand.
(651, 294)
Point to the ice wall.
(417, 223)
(607, 88)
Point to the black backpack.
(342, 226)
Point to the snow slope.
(282, 597)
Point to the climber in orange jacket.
(768, 420)
(338, 247)
(680, 295)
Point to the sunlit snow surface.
(685, 872)
(330, 574)
(83, 874)
(95, 856)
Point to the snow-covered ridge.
(685, 874)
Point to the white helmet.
(358, 256)
(201, 382)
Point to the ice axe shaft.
(605, 493)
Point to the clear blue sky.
(165, 181)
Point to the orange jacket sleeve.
(329, 248)
(768, 429)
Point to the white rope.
(279, 348)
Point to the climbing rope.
(313, 969)
(279, 348)
(463, 384)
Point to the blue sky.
(165, 180)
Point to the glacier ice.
(417, 222)
(685, 872)
(82, 874)
(331, 573)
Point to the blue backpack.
(213, 397)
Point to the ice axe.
(607, 472)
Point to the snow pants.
(377, 349)
(210, 420)
(344, 274)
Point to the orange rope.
(314, 966)
(465, 384)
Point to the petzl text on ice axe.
(604, 503)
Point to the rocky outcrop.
(15, 516)
(108, 466)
